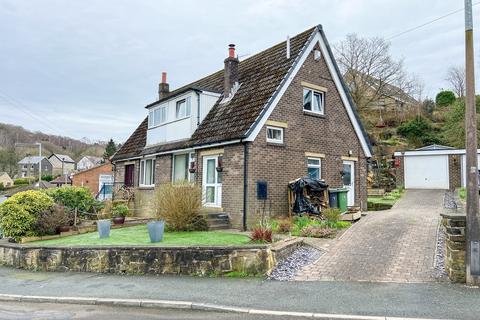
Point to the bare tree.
(456, 79)
(371, 73)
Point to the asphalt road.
(423, 300)
(37, 311)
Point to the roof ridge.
(212, 75)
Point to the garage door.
(426, 172)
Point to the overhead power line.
(429, 22)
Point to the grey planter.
(103, 227)
(155, 230)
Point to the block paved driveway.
(396, 245)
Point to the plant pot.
(103, 227)
(155, 230)
(63, 229)
(118, 220)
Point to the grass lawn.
(138, 235)
(385, 202)
(382, 200)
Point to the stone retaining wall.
(214, 260)
(454, 228)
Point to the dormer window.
(313, 101)
(183, 109)
(157, 116)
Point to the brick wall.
(89, 178)
(400, 172)
(332, 134)
(454, 171)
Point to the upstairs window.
(147, 172)
(183, 108)
(157, 116)
(275, 135)
(313, 101)
(314, 168)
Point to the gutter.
(198, 108)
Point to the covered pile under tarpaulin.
(307, 195)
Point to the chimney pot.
(231, 51)
(164, 77)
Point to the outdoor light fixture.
(350, 152)
(220, 164)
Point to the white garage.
(426, 172)
(430, 168)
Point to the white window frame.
(151, 116)
(190, 159)
(312, 93)
(188, 108)
(143, 173)
(315, 166)
(277, 141)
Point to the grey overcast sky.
(87, 68)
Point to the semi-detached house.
(281, 114)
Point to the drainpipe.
(245, 184)
(198, 108)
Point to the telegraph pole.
(473, 217)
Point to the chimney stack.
(163, 87)
(231, 71)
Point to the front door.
(349, 181)
(212, 182)
(129, 174)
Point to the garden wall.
(251, 259)
(454, 228)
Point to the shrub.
(302, 222)
(318, 231)
(2, 187)
(285, 226)
(19, 213)
(47, 177)
(16, 222)
(199, 223)
(331, 214)
(445, 98)
(261, 234)
(51, 219)
(73, 197)
(179, 205)
(419, 131)
(21, 181)
(120, 210)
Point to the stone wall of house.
(331, 135)
(455, 246)
(253, 259)
(454, 171)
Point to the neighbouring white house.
(88, 162)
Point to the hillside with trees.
(390, 100)
(10, 154)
